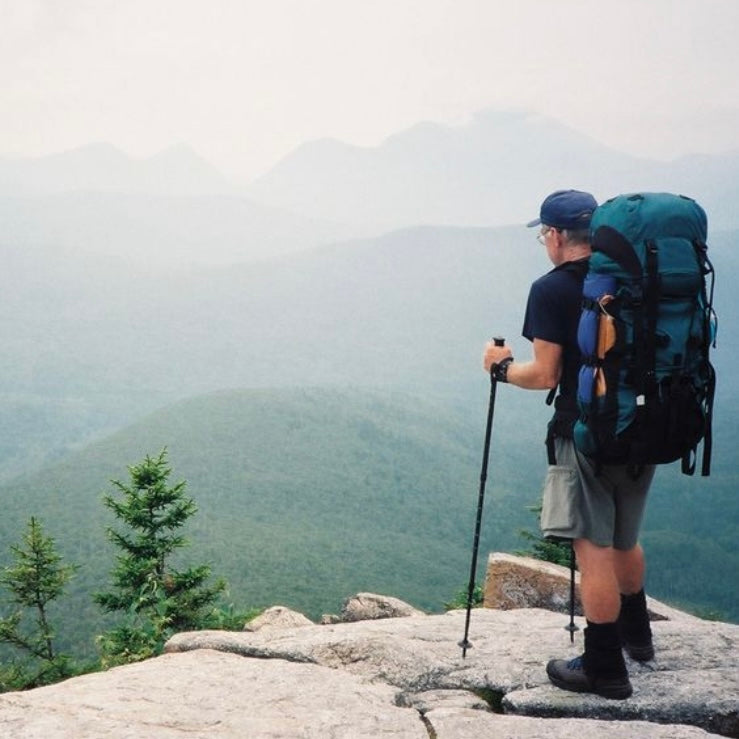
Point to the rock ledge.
(395, 677)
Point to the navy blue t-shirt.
(552, 314)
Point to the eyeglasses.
(541, 237)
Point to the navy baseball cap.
(566, 209)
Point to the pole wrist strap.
(500, 370)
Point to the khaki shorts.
(606, 508)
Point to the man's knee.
(629, 566)
(592, 556)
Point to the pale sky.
(245, 82)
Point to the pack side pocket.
(559, 503)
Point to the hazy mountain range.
(494, 170)
(100, 167)
(175, 208)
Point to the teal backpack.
(646, 385)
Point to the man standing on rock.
(600, 512)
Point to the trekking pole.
(465, 643)
(572, 627)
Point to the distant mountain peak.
(102, 167)
(179, 150)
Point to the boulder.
(277, 617)
(369, 607)
(330, 618)
(523, 582)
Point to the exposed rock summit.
(395, 677)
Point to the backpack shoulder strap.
(617, 247)
(578, 269)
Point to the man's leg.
(601, 669)
(599, 583)
(633, 620)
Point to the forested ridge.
(307, 495)
(304, 496)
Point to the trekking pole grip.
(498, 341)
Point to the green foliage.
(229, 618)
(548, 550)
(459, 600)
(35, 579)
(140, 636)
(157, 598)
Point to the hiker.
(601, 509)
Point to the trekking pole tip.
(465, 644)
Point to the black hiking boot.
(633, 623)
(570, 675)
(600, 670)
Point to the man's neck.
(574, 252)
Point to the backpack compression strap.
(708, 435)
(704, 264)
